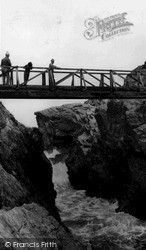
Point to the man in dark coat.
(27, 68)
(5, 66)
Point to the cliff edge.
(27, 195)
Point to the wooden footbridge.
(72, 83)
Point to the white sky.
(23, 110)
(37, 30)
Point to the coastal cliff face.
(67, 124)
(107, 149)
(27, 195)
(123, 135)
(25, 172)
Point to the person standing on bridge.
(51, 73)
(5, 66)
(27, 68)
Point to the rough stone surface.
(32, 223)
(26, 177)
(25, 172)
(69, 123)
(111, 163)
(137, 78)
(117, 163)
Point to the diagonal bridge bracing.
(73, 83)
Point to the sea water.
(94, 220)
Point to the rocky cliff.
(33, 224)
(137, 78)
(67, 124)
(27, 195)
(107, 148)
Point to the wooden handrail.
(36, 76)
(97, 70)
(80, 73)
(65, 70)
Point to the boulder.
(68, 123)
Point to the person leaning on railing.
(5, 66)
(51, 73)
(27, 68)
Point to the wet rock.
(107, 156)
(26, 174)
(27, 195)
(123, 142)
(31, 223)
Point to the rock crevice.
(107, 153)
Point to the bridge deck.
(73, 84)
(70, 92)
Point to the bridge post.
(111, 79)
(72, 83)
(102, 80)
(11, 79)
(43, 79)
(48, 76)
(81, 75)
(17, 77)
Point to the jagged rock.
(23, 166)
(68, 123)
(26, 177)
(121, 155)
(137, 77)
(114, 164)
(32, 223)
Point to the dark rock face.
(26, 178)
(26, 174)
(116, 165)
(110, 160)
(137, 78)
(32, 223)
(68, 123)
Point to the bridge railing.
(74, 77)
(16, 76)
